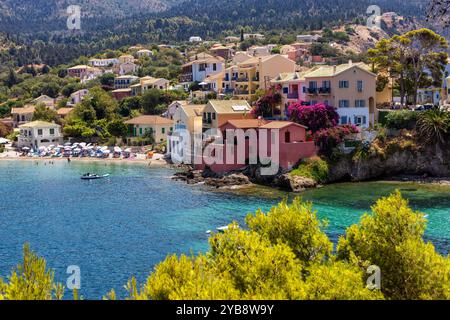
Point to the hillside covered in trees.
(38, 27)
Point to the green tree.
(426, 51)
(391, 238)
(45, 114)
(150, 101)
(297, 226)
(31, 280)
(103, 104)
(117, 128)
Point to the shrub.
(313, 168)
(392, 239)
(328, 139)
(315, 117)
(402, 119)
(266, 105)
(433, 126)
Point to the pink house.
(292, 142)
(292, 87)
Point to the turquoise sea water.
(123, 225)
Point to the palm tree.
(433, 126)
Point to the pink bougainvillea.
(316, 117)
(328, 139)
(266, 106)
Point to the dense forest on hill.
(37, 28)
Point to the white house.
(77, 97)
(144, 53)
(39, 134)
(198, 70)
(256, 36)
(103, 62)
(257, 51)
(195, 39)
(125, 81)
(308, 37)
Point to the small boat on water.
(90, 176)
(218, 229)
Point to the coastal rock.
(294, 183)
(432, 161)
(237, 179)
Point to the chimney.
(334, 69)
(350, 63)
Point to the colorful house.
(257, 72)
(292, 87)
(125, 81)
(146, 83)
(45, 100)
(218, 112)
(39, 134)
(199, 69)
(22, 115)
(144, 53)
(120, 94)
(102, 63)
(157, 126)
(350, 88)
(291, 141)
(83, 71)
(77, 97)
(64, 112)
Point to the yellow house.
(350, 88)
(157, 126)
(218, 112)
(146, 83)
(22, 115)
(189, 117)
(257, 72)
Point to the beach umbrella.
(67, 144)
(4, 141)
(82, 144)
(128, 150)
(117, 149)
(25, 148)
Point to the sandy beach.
(157, 161)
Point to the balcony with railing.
(186, 77)
(311, 91)
(324, 91)
(242, 79)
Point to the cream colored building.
(146, 83)
(45, 100)
(38, 134)
(218, 112)
(189, 117)
(22, 115)
(256, 73)
(159, 127)
(350, 88)
(144, 53)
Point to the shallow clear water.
(123, 225)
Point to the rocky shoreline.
(431, 165)
(243, 178)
